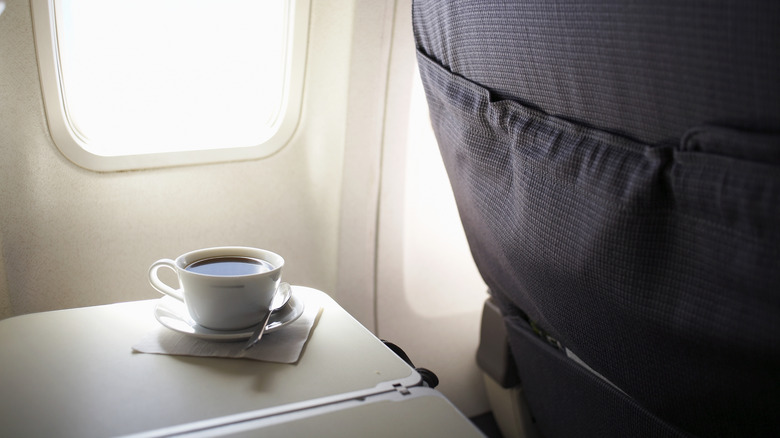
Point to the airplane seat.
(616, 167)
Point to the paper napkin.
(284, 345)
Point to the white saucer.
(173, 314)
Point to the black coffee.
(229, 266)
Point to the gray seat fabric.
(617, 171)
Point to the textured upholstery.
(617, 171)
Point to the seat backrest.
(617, 171)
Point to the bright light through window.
(150, 77)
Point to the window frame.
(71, 145)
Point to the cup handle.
(158, 284)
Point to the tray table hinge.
(401, 388)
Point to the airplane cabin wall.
(429, 292)
(73, 237)
(405, 269)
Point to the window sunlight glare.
(152, 76)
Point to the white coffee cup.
(224, 288)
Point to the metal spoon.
(282, 295)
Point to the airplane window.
(152, 83)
